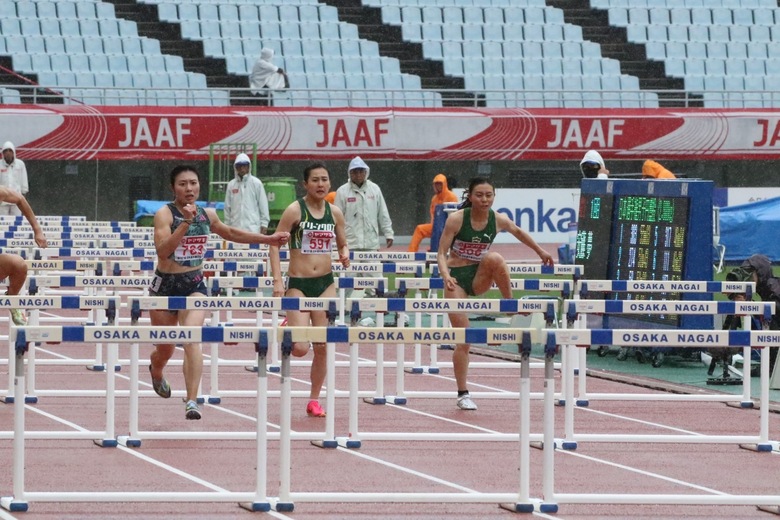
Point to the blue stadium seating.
(715, 46)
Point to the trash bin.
(281, 193)
(439, 219)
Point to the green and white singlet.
(471, 244)
(313, 236)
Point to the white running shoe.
(465, 403)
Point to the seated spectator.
(267, 77)
(442, 194)
(653, 170)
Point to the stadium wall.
(93, 160)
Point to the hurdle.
(254, 500)
(688, 338)
(661, 286)
(683, 338)
(35, 303)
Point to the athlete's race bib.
(317, 242)
(191, 248)
(470, 250)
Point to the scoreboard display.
(646, 230)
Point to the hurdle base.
(560, 402)
(14, 506)
(539, 445)
(548, 508)
(432, 370)
(414, 370)
(214, 400)
(569, 445)
(284, 507)
(769, 509)
(724, 381)
(274, 368)
(326, 443)
(446, 347)
(28, 399)
(128, 442)
(519, 507)
(250, 368)
(347, 442)
(396, 400)
(741, 404)
(256, 507)
(762, 447)
(102, 368)
(375, 400)
(106, 443)
(582, 402)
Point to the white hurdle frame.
(35, 303)
(255, 500)
(584, 338)
(688, 338)
(695, 287)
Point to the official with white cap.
(246, 203)
(13, 175)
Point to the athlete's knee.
(495, 260)
(301, 349)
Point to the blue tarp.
(751, 228)
(146, 208)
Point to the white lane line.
(145, 458)
(639, 421)
(647, 473)
(419, 474)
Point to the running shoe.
(191, 411)
(18, 317)
(465, 403)
(313, 409)
(161, 386)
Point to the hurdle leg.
(284, 502)
(132, 440)
(433, 349)
(330, 399)
(275, 363)
(417, 368)
(764, 444)
(582, 394)
(9, 396)
(399, 398)
(17, 503)
(261, 503)
(524, 504)
(352, 440)
(548, 457)
(213, 397)
(109, 439)
(379, 395)
(29, 396)
(569, 351)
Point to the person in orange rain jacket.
(442, 195)
(653, 170)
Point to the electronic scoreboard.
(646, 230)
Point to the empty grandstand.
(405, 53)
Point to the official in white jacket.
(365, 210)
(246, 204)
(13, 175)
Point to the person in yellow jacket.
(442, 195)
(653, 170)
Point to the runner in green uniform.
(181, 232)
(471, 269)
(315, 226)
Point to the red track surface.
(382, 466)
(379, 466)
